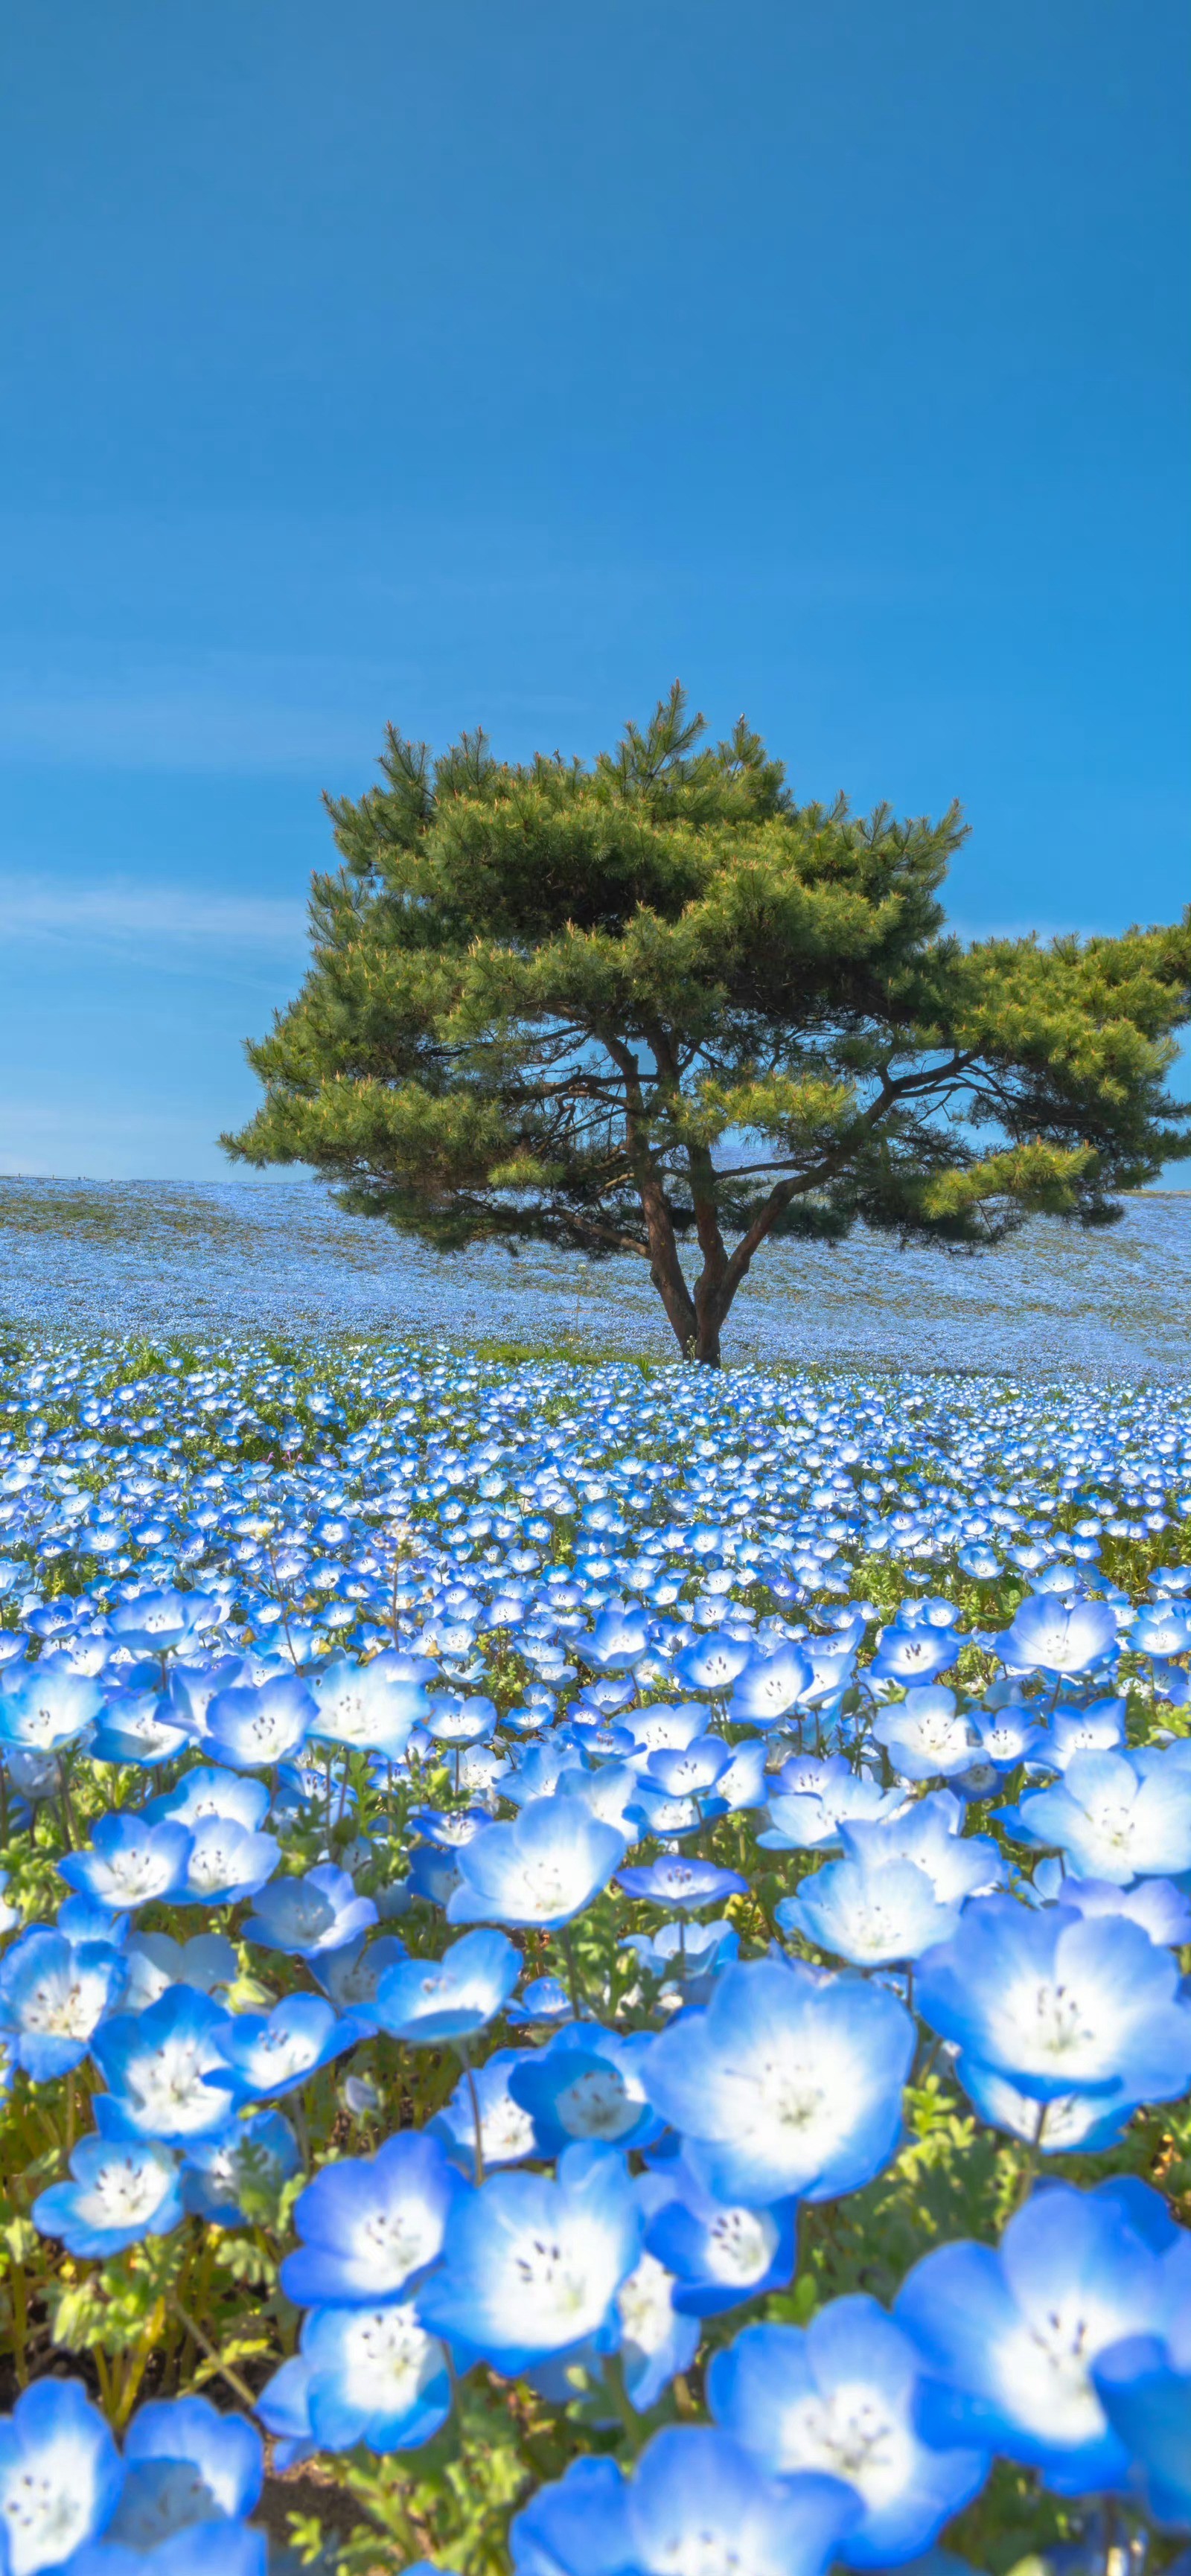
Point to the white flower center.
(644, 2305)
(45, 2509)
(388, 2359)
(554, 2280)
(124, 2191)
(597, 2105)
(740, 2244)
(64, 2011)
(1061, 2024)
(400, 2240)
(850, 2434)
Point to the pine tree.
(655, 1003)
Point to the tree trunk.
(707, 1342)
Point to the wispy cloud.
(235, 712)
(126, 914)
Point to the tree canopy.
(654, 1004)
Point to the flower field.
(592, 1966)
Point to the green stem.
(1029, 2174)
(65, 1808)
(302, 2125)
(478, 2144)
(204, 2343)
(20, 2323)
(576, 1990)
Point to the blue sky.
(465, 364)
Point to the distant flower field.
(593, 1963)
(250, 1257)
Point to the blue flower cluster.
(758, 1771)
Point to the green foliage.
(620, 1007)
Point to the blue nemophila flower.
(454, 1723)
(543, 2000)
(869, 1910)
(366, 1707)
(433, 1874)
(1050, 1635)
(507, 2132)
(769, 1686)
(1066, 2123)
(1009, 1734)
(87, 1918)
(618, 1641)
(1162, 1628)
(244, 2163)
(164, 2526)
(194, 1686)
(351, 1974)
(929, 1832)
(612, 1794)
(533, 2264)
(712, 1662)
(53, 1995)
(840, 2398)
(60, 2476)
(138, 1726)
(788, 2083)
(980, 1561)
(1117, 1816)
(692, 1772)
(129, 1862)
(1098, 1728)
(912, 1655)
(682, 1885)
(154, 2064)
(362, 2375)
(255, 1728)
(209, 1793)
(44, 1707)
(226, 1863)
(304, 1916)
(742, 1783)
(371, 2226)
(1059, 2003)
(119, 2192)
(833, 1664)
(1144, 2387)
(430, 2000)
(811, 1799)
(1009, 2339)
(656, 2339)
(719, 2254)
(191, 2474)
(1162, 1909)
(267, 2054)
(224, 2451)
(686, 1954)
(448, 1832)
(35, 1776)
(541, 1870)
(668, 1819)
(586, 2083)
(153, 1961)
(695, 2501)
(660, 1725)
(926, 1735)
(537, 1776)
(153, 1623)
(282, 2408)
